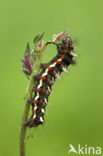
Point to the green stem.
(27, 98)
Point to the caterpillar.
(46, 78)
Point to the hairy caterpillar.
(46, 78)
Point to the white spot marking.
(36, 97)
(65, 70)
(73, 54)
(46, 70)
(34, 116)
(52, 65)
(49, 89)
(41, 81)
(35, 107)
(43, 111)
(44, 74)
(39, 85)
(59, 60)
(58, 76)
(41, 119)
(45, 100)
(53, 79)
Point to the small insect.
(49, 73)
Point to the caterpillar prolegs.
(46, 78)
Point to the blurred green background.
(75, 113)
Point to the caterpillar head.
(63, 40)
(66, 45)
(67, 42)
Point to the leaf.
(37, 39)
(27, 51)
(25, 71)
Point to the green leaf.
(37, 39)
(27, 74)
(27, 50)
(24, 70)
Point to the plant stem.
(27, 98)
